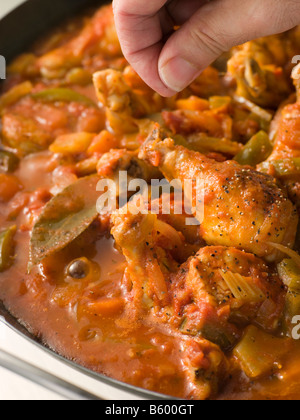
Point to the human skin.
(169, 60)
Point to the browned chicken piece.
(261, 68)
(170, 210)
(138, 236)
(126, 99)
(111, 163)
(284, 162)
(221, 289)
(122, 166)
(242, 208)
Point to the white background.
(7, 5)
(12, 387)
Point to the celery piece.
(63, 95)
(257, 150)
(217, 102)
(260, 354)
(242, 288)
(281, 168)
(202, 143)
(292, 307)
(289, 273)
(255, 109)
(6, 247)
(79, 76)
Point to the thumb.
(215, 28)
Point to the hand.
(169, 60)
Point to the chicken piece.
(261, 68)
(242, 208)
(286, 152)
(287, 126)
(30, 125)
(126, 99)
(146, 242)
(24, 134)
(123, 167)
(153, 239)
(138, 236)
(111, 163)
(170, 209)
(222, 289)
(205, 366)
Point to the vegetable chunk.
(260, 354)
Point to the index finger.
(138, 7)
(141, 35)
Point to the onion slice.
(288, 251)
(169, 232)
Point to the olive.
(79, 269)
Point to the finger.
(138, 7)
(138, 23)
(139, 28)
(183, 10)
(177, 12)
(142, 29)
(215, 28)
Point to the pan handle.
(44, 379)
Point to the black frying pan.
(18, 30)
(33, 18)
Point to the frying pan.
(18, 30)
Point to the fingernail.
(178, 73)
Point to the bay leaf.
(64, 218)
